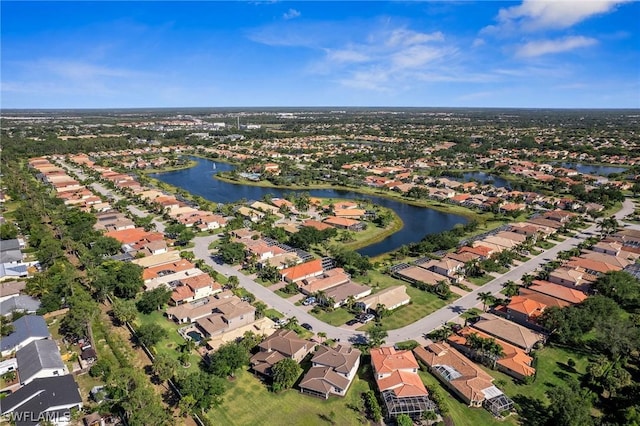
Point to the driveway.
(411, 331)
(422, 326)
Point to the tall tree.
(285, 373)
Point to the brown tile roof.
(558, 291)
(471, 380)
(508, 331)
(341, 358)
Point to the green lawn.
(272, 313)
(480, 281)
(459, 412)
(552, 370)
(248, 402)
(546, 245)
(336, 317)
(170, 344)
(422, 302)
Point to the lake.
(418, 221)
(592, 169)
(483, 178)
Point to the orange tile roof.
(403, 384)
(513, 358)
(302, 270)
(340, 221)
(315, 224)
(524, 305)
(128, 236)
(388, 360)
(180, 265)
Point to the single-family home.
(280, 345)
(38, 359)
(332, 371)
(26, 329)
(400, 386)
(391, 298)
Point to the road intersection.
(412, 331)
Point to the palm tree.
(511, 288)
(292, 323)
(322, 335)
(442, 289)
(527, 280)
(443, 332)
(486, 298)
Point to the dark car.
(352, 322)
(306, 326)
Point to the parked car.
(307, 326)
(352, 322)
(309, 301)
(367, 318)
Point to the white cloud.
(347, 55)
(533, 15)
(404, 37)
(544, 47)
(291, 14)
(478, 42)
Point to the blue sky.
(528, 53)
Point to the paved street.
(411, 331)
(420, 327)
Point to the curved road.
(411, 331)
(418, 328)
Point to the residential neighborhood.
(346, 279)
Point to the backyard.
(249, 402)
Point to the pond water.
(592, 169)
(418, 221)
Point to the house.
(327, 280)
(446, 267)
(280, 345)
(332, 371)
(39, 359)
(11, 289)
(190, 312)
(21, 303)
(418, 274)
(194, 288)
(524, 310)
(341, 294)
(26, 329)
(227, 316)
(344, 223)
(396, 375)
(560, 292)
(51, 398)
(299, 272)
(508, 331)
(514, 361)
(463, 377)
(391, 298)
(569, 277)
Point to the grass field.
(249, 402)
(422, 302)
(552, 370)
(459, 412)
(172, 342)
(479, 281)
(336, 317)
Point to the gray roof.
(6, 245)
(16, 270)
(24, 328)
(41, 395)
(37, 356)
(22, 303)
(10, 256)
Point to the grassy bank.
(188, 165)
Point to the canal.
(418, 221)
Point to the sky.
(527, 53)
